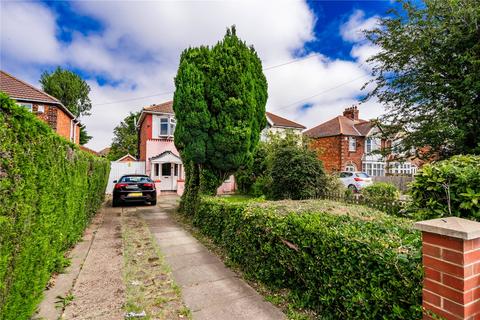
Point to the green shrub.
(296, 173)
(447, 188)
(380, 193)
(345, 264)
(49, 189)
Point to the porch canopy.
(166, 157)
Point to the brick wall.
(329, 152)
(333, 151)
(144, 135)
(451, 287)
(63, 124)
(352, 157)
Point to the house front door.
(166, 176)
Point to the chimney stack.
(351, 113)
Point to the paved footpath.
(210, 290)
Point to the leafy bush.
(448, 188)
(380, 192)
(346, 262)
(296, 174)
(246, 177)
(49, 189)
(284, 168)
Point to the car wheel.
(115, 202)
(352, 188)
(153, 203)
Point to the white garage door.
(118, 169)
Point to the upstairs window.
(164, 126)
(27, 106)
(173, 123)
(352, 144)
(368, 145)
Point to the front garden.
(335, 258)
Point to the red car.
(134, 187)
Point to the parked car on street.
(134, 187)
(355, 181)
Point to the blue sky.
(128, 51)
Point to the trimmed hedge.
(355, 263)
(447, 188)
(49, 190)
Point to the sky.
(313, 52)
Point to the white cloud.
(353, 29)
(28, 32)
(140, 45)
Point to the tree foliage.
(447, 188)
(427, 74)
(69, 88)
(125, 138)
(219, 105)
(84, 136)
(72, 91)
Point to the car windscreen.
(135, 179)
(362, 175)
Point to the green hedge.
(341, 264)
(447, 188)
(49, 190)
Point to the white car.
(355, 181)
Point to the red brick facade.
(144, 135)
(44, 106)
(451, 286)
(334, 153)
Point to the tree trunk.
(191, 195)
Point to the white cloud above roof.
(140, 45)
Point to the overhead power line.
(265, 69)
(321, 92)
(171, 92)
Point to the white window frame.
(352, 144)
(350, 167)
(374, 168)
(167, 120)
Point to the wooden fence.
(401, 182)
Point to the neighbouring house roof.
(89, 150)
(22, 91)
(278, 121)
(104, 151)
(128, 155)
(340, 125)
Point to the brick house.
(348, 143)
(162, 159)
(43, 105)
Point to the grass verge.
(148, 280)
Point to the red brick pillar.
(451, 258)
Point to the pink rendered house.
(162, 160)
